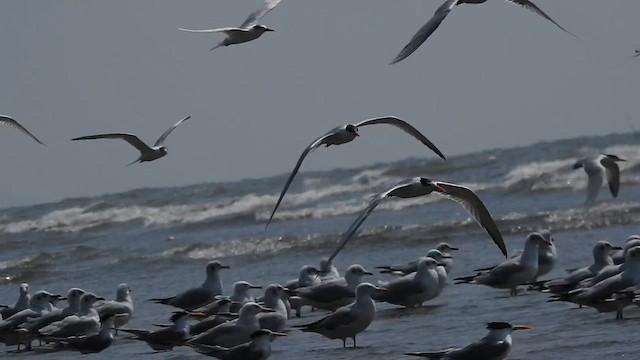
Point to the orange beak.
(522, 327)
(278, 334)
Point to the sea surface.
(159, 240)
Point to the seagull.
(92, 343)
(618, 256)
(446, 250)
(350, 320)
(610, 270)
(441, 13)
(308, 276)
(85, 322)
(241, 295)
(494, 346)
(21, 304)
(249, 30)
(166, 339)
(412, 266)
(596, 167)
(234, 332)
(123, 305)
(413, 289)
(336, 293)
(147, 153)
(200, 295)
(259, 348)
(347, 133)
(601, 258)
(274, 321)
(222, 304)
(420, 186)
(39, 305)
(328, 272)
(513, 272)
(73, 298)
(8, 120)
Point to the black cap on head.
(177, 315)
(498, 325)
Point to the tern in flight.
(248, 31)
(347, 133)
(420, 186)
(7, 120)
(427, 29)
(596, 167)
(147, 153)
(637, 53)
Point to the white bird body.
(85, 322)
(20, 304)
(274, 321)
(123, 305)
(336, 293)
(414, 289)
(597, 167)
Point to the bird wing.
(404, 126)
(613, 175)
(225, 30)
(213, 351)
(7, 120)
(375, 201)
(130, 138)
(594, 184)
(341, 317)
(480, 350)
(532, 7)
(314, 145)
(325, 293)
(192, 298)
(255, 16)
(162, 138)
(474, 206)
(425, 31)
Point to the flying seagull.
(637, 53)
(596, 167)
(249, 30)
(420, 186)
(147, 153)
(7, 120)
(427, 29)
(347, 133)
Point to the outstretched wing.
(532, 7)
(613, 176)
(258, 14)
(314, 145)
(130, 138)
(404, 126)
(226, 30)
(375, 201)
(474, 206)
(7, 120)
(425, 31)
(162, 138)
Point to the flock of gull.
(241, 326)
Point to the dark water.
(159, 240)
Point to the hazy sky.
(493, 75)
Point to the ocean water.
(159, 240)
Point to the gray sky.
(492, 75)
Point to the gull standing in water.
(596, 167)
(348, 321)
(441, 13)
(495, 346)
(147, 153)
(7, 120)
(249, 30)
(513, 272)
(347, 133)
(166, 339)
(21, 304)
(259, 348)
(413, 289)
(200, 295)
(420, 186)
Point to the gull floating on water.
(420, 186)
(441, 13)
(21, 304)
(166, 339)
(147, 153)
(259, 348)
(249, 30)
(413, 289)
(495, 346)
(8, 120)
(513, 272)
(200, 295)
(348, 321)
(596, 167)
(347, 133)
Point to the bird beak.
(621, 159)
(522, 327)
(290, 292)
(268, 29)
(100, 298)
(264, 309)
(198, 315)
(255, 286)
(368, 273)
(616, 248)
(441, 264)
(278, 334)
(382, 290)
(446, 256)
(62, 298)
(454, 248)
(121, 315)
(224, 267)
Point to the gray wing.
(613, 176)
(474, 206)
(375, 201)
(325, 293)
(404, 126)
(213, 351)
(532, 7)
(130, 138)
(163, 137)
(226, 30)
(191, 299)
(480, 350)
(341, 317)
(314, 145)
(258, 14)
(594, 183)
(7, 120)
(399, 289)
(502, 273)
(425, 31)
